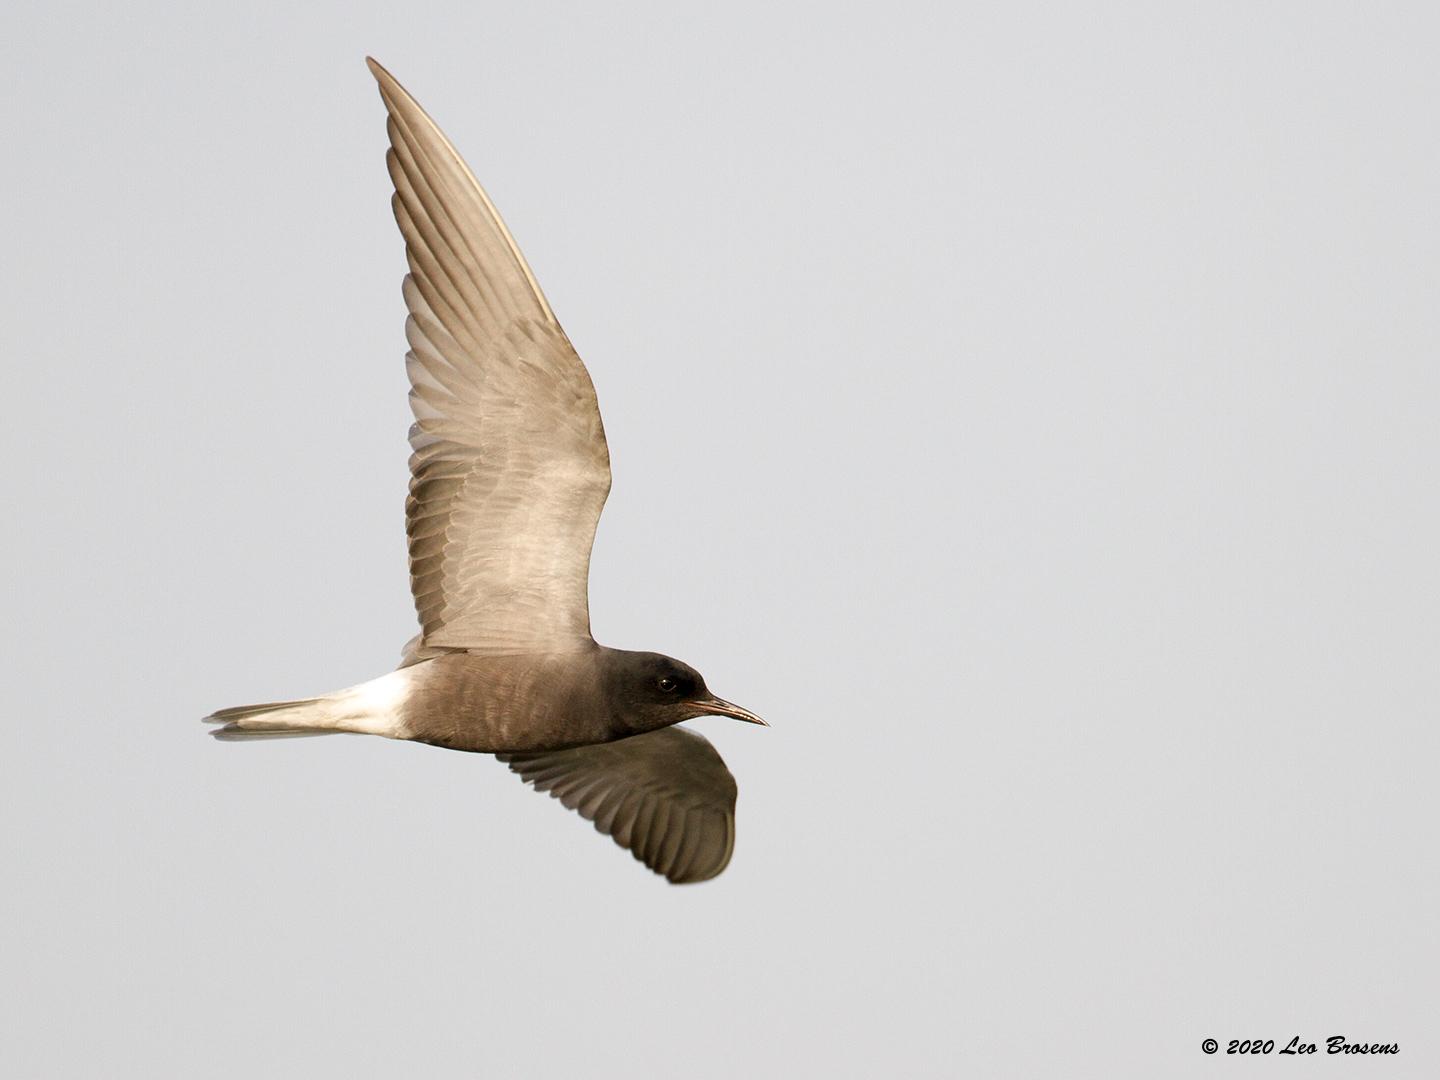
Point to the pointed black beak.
(710, 705)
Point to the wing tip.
(389, 85)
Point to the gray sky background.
(1030, 409)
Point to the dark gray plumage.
(629, 789)
(509, 474)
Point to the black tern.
(509, 473)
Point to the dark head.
(653, 691)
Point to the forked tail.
(272, 720)
(372, 708)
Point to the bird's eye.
(667, 684)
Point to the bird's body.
(509, 474)
(525, 702)
(512, 703)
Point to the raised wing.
(665, 795)
(510, 469)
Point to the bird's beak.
(710, 705)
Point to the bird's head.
(654, 691)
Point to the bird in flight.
(508, 475)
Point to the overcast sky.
(1031, 410)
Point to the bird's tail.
(272, 720)
(368, 709)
